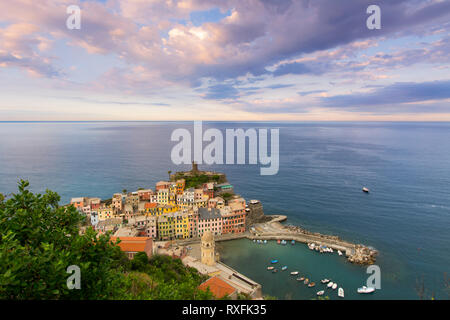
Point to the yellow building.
(163, 196)
(208, 248)
(105, 213)
(182, 228)
(166, 227)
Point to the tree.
(38, 242)
(124, 191)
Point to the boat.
(320, 293)
(284, 268)
(365, 190)
(274, 261)
(334, 286)
(341, 292)
(283, 242)
(265, 241)
(254, 240)
(270, 268)
(340, 252)
(311, 246)
(365, 289)
(312, 284)
(293, 242)
(247, 209)
(301, 279)
(274, 270)
(330, 284)
(324, 280)
(294, 273)
(278, 241)
(306, 281)
(254, 201)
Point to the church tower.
(208, 249)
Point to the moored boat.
(270, 268)
(293, 242)
(312, 284)
(284, 268)
(265, 241)
(320, 293)
(283, 242)
(365, 289)
(274, 261)
(330, 284)
(301, 279)
(364, 189)
(334, 286)
(324, 281)
(341, 292)
(294, 273)
(340, 252)
(278, 241)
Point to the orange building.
(133, 245)
(219, 288)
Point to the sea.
(322, 169)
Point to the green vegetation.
(198, 180)
(39, 240)
(226, 196)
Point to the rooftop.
(218, 287)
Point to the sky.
(236, 60)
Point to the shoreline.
(274, 230)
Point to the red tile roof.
(150, 205)
(132, 244)
(218, 287)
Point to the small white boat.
(334, 286)
(365, 289)
(254, 240)
(284, 268)
(265, 241)
(330, 284)
(324, 281)
(270, 268)
(340, 252)
(365, 190)
(341, 292)
(320, 293)
(294, 273)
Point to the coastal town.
(183, 217)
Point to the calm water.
(322, 169)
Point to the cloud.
(221, 91)
(397, 93)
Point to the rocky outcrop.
(363, 255)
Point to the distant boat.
(254, 240)
(254, 201)
(334, 286)
(274, 261)
(294, 273)
(365, 190)
(340, 252)
(293, 242)
(284, 268)
(324, 280)
(278, 241)
(270, 268)
(330, 284)
(301, 279)
(283, 242)
(320, 293)
(341, 292)
(265, 241)
(312, 284)
(365, 289)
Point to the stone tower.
(194, 167)
(208, 249)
